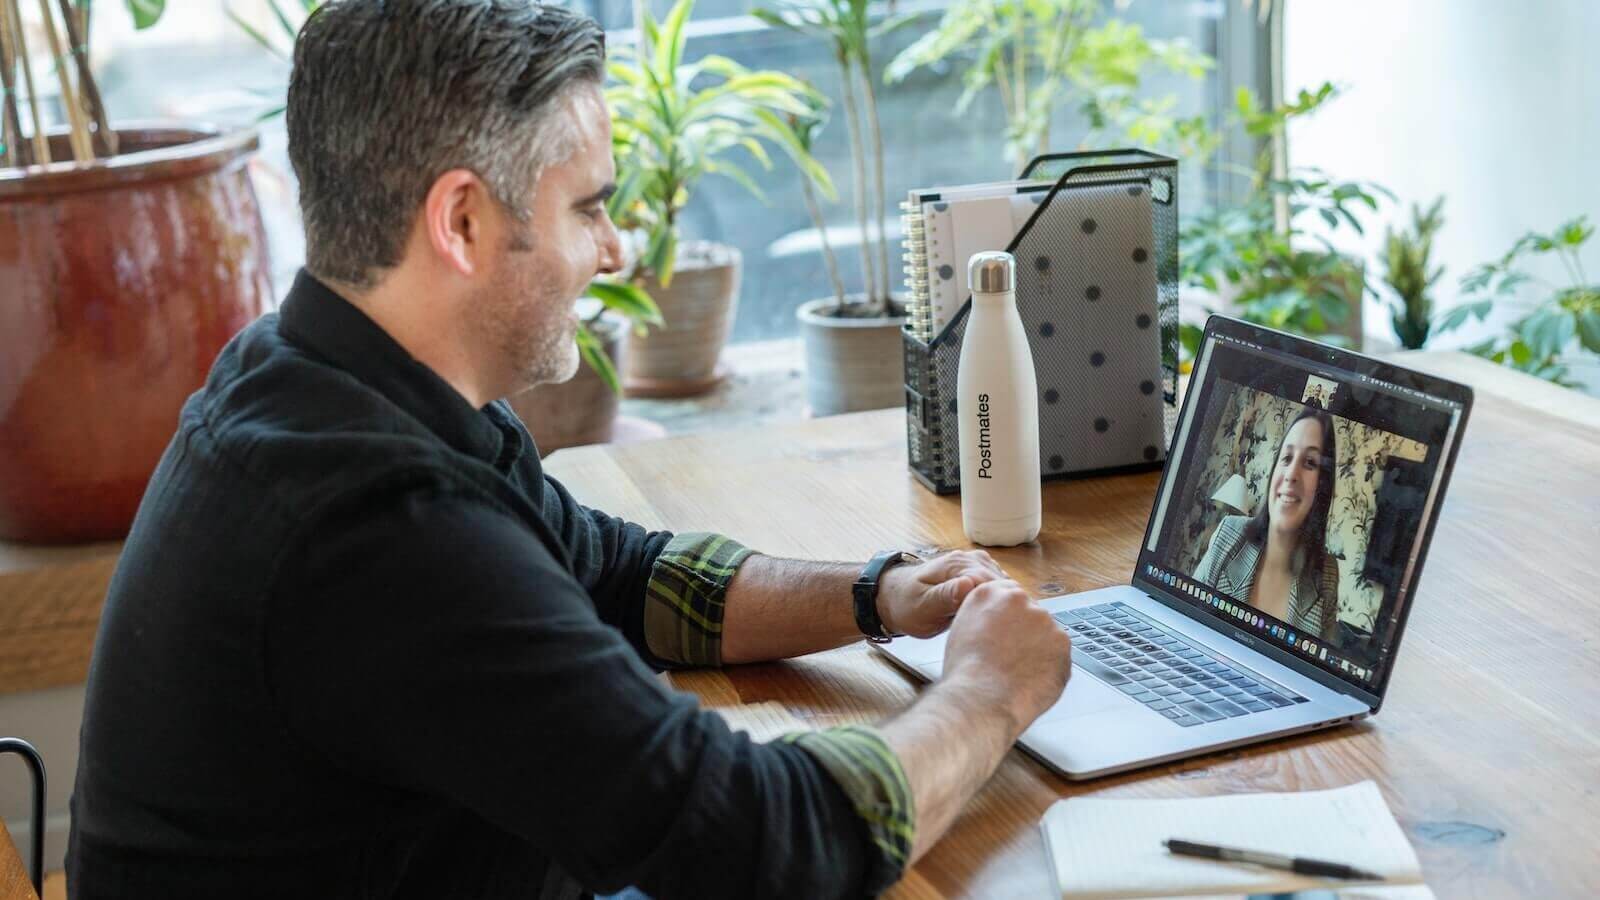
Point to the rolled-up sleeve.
(685, 598)
(870, 774)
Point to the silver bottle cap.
(992, 272)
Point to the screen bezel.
(1349, 362)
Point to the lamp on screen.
(1232, 496)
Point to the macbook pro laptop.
(1190, 657)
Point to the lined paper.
(1113, 848)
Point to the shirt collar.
(317, 318)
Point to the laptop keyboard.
(1163, 671)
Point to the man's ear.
(454, 219)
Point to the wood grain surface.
(50, 601)
(14, 883)
(1488, 745)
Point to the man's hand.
(1005, 646)
(921, 599)
(1006, 662)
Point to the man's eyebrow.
(599, 196)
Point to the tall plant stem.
(78, 38)
(11, 122)
(82, 149)
(877, 185)
(1019, 60)
(19, 46)
(822, 235)
(858, 159)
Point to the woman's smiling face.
(1294, 476)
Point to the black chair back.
(36, 767)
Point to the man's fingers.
(953, 591)
(958, 562)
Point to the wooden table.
(1488, 746)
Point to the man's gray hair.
(387, 95)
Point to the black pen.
(1300, 865)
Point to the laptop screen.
(1298, 497)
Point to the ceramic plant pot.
(120, 280)
(680, 359)
(853, 362)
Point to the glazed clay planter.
(680, 358)
(852, 363)
(120, 280)
(581, 410)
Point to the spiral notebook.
(945, 226)
(1113, 847)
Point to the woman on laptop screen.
(1277, 560)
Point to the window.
(196, 64)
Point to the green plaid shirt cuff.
(683, 602)
(870, 774)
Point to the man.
(359, 646)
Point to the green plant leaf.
(1575, 232)
(289, 30)
(1520, 354)
(630, 300)
(1546, 332)
(672, 37)
(1189, 337)
(1457, 316)
(146, 12)
(594, 353)
(1589, 329)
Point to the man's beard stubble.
(528, 323)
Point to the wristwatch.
(865, 593)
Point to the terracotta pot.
(120, 279)
(680, 359)
(852, 363)
(581, 410)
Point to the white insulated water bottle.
(997, 403)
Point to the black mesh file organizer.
(1105, 355)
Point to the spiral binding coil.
(915, 246)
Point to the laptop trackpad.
(1085, 695)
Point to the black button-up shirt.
(358, 645)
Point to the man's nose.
(610, 249)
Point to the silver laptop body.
(1169, 666)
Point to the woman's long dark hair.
(1314, 530)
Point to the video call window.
(1300, 497)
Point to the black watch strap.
(864, 593)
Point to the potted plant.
(1410, 274)
(1039, 55)
(673, 122)
(852, 340)
(134, 253)
(1042, 54)
(1555, 334)
(1259, 260)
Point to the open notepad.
(1113, 848)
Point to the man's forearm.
(949, 742)
(778, 608)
